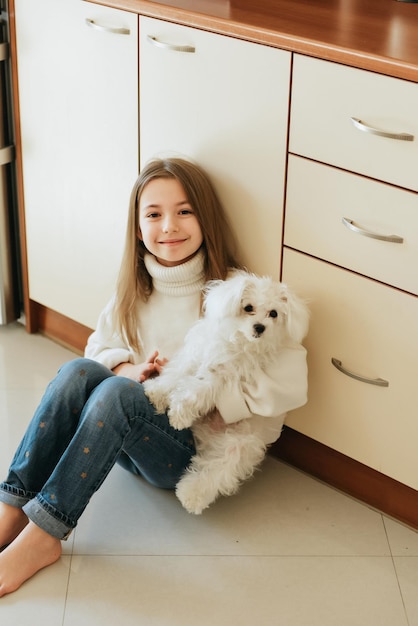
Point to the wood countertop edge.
(293, 43)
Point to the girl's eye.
(186, 212)
(152, 215)
(273, 313)
(249, 308)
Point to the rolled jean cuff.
(13, 496)
(44, 516)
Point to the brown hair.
(218, 245)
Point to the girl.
(95, 413)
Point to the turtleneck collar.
(179, 280)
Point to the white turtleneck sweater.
(164, 320)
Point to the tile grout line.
(68, 579)
(395, 570)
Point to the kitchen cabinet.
(351, 248)
(223, 99)
(224, 103)
(369, 330)
(353, 221)
(354, 119)
(78, 94)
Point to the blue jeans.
(88, 420)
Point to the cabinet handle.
(7, 155)
(116, 30)
(4, 51)
(382, 133)
(169, 46)
(380, 382)
(368, 233)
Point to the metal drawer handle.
(169, 46)
(382, 133)
(368, 233)
(108, 29)
(380, 382)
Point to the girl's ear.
(139, 234)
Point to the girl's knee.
(82, 367)
(116, 386)
(72, 365)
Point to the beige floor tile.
(186, 591)
(28, 361)
(280, 512)
(407, 571)
(17, 407)
(40, 601)
(403, 541)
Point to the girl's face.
(167, 225)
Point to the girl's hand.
(152, 367)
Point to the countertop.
(376, 35)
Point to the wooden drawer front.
(326, 95)
(319, 197)
(372, 329)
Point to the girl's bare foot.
(32, 550)
(12, 522)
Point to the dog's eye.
(273, 313)
(249, 308)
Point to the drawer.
(372, 330)
(325, 96)
(320, 197)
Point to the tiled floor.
(287, 551)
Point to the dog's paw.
(192, 494)
(155, 395)
(179, 417)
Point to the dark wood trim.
(363, 483)
(60, 328)
(30, 319)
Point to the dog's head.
(262, 306)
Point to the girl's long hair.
(134, 282)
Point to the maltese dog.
(247, 319)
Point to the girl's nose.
(170, 225)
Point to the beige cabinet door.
(78, 88)
(370, 331)
(224, 103)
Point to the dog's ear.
(223, 297)
(297, 318)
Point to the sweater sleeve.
(105, 345)
(281, 389)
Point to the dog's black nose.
(259, 329)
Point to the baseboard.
(58, 327)
(377, 490)
(363, 483)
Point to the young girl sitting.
(95, 413)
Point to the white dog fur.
(247, 319)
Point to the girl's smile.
(168, 225)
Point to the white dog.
(247, 319)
